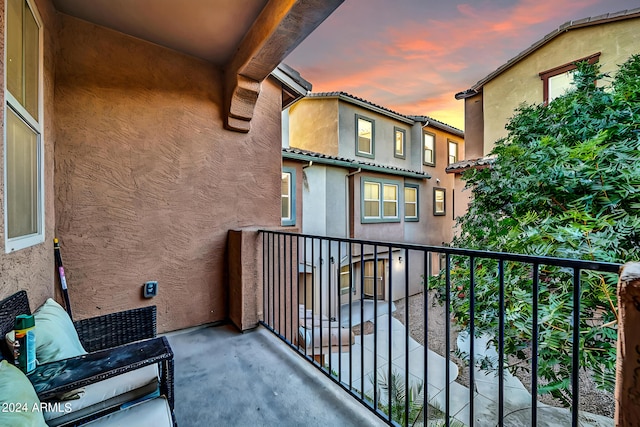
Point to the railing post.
(628, 358)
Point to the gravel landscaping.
(591, 399)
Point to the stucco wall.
(32, 269)
(385, 231)
(440, 228)
(148, 182)
(473, 127)
(617, 41)
(313, 125)
(314, 204)
(384, 137)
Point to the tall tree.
(565, 182)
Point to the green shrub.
(565, 182)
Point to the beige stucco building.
(362, 171)
(529, 77)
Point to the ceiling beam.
(279, 28)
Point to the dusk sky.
(413, 56)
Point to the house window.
(429, 146)
(288, 193)
(365, 137)
(559, 84)
(345, 279)
(390, 202)
(371, 200)
(372, 278)
(399, 143)
(439, 201)
(453, 152)
(558, 80)
(410, 203)
(380, 201)
(23, 157)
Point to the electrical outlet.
(150, 289)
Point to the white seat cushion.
(107, 393)
(150, 413)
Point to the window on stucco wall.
(439, 207)
(399, 143)
(288, 196)
(429, 148)
(365, 137)
(380, 201)
(23, 156)
(558, 80)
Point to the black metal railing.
(314, 300)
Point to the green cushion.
(19, 404)
(56, 337)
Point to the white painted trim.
(17, 243)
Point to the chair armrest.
(52, 379)
(116, 329)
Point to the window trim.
(403, 155)
(416, 218)
(380, 217)
(37, 125)
(546, 75)
(457, 157)
(350, 278)
(437, 190)
(292, 197)
(433, 150)
(373, 137)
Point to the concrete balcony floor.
(226, 378)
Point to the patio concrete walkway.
(517, 401)
(225, 378)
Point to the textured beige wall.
(313, 125)
(473, 127)
(617, 41)
(32, 268)
(148, 182)
(439, 229)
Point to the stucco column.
(627, 392)
(245, 277)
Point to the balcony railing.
(353, 336)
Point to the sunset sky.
(413, 56)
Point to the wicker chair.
(98, 335)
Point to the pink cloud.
(415, 66)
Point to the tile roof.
(567, 26)
(463, 165)
(384, 110)
(299, 154)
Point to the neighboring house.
(543, 71)
(355, 169)
(140, 136)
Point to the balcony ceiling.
(208, 29)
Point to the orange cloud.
(415, 66)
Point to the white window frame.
(394, 201)
(377, 200)
(380, 216)
(35, 123)
(414, 203)
(291, 196)
(456, 149)
(443, 210)
(431, 138)
(372, 138)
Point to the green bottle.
(26, 337)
